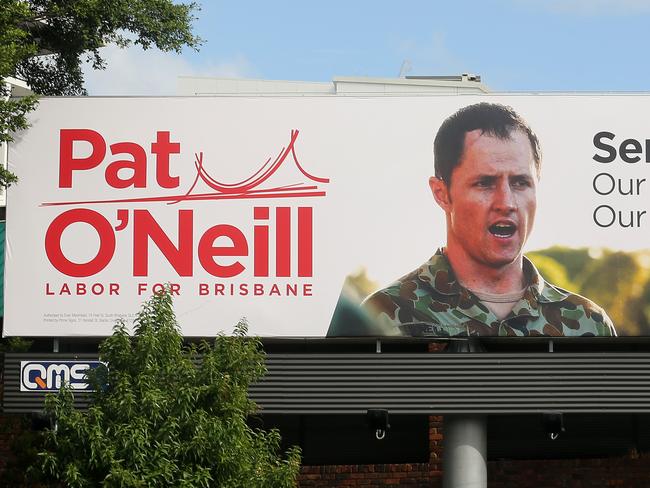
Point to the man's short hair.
(492, 119)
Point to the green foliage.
(24, 449)
(15, 46)
(614, 281)
(166, 417)
(552, 271)
(574, 261)
(45, 42)
(617, 281)
(15, 344)
(639, 311)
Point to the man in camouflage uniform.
(487, 164)
(430, 302)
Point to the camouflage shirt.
(431, 302)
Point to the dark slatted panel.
(16, 401)
(455, 383)
(423, 383)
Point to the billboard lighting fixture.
(553, 423)
(377, 419)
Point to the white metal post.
(464, 451)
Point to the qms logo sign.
(52, 375)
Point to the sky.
(514, 45)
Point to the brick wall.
(370, 476)
(10, 427)
(415, 475)
(621, 472)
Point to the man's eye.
(521, 183)
(484, 183)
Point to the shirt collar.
(439, 274)
(540, 289)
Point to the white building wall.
(197, 86)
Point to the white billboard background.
(377, 213)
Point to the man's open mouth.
(503, 229)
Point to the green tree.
(640, 310)
(162, 416)
(45, 42)
(614, 281)
(552, 271)
(574, 260)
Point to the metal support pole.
(464, 445)
(464, 451)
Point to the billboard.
(293, 211)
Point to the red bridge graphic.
(245, 189)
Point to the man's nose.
(504, 198)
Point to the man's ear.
(440, 192)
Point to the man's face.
(491, 200)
